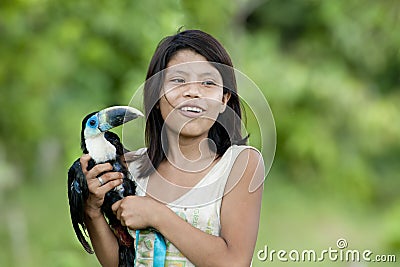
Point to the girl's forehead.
(185, 55)
(199, 68)
(186, 62)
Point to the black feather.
(83, 144)
(77, 194)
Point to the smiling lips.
(191, 111)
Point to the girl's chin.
(190, 132)
(192, 127)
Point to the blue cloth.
(160, 249)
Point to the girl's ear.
(225, 99)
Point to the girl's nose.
(192, 89)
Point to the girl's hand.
(137, 212)
(96, 190)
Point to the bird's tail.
(82, 239)
(77, 194)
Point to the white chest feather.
(100, 149)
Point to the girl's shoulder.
(138, 152)
(133, 156)
(240, 151)
(247, 165)
(134, 159)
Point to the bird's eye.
(92, 122)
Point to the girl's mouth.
(191, 111)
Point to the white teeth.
(192, 109)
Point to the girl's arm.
(101, 236)
(240, 214)
(103, 240)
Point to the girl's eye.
(208, 83)
(178, 80)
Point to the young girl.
(199, 185)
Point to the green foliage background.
(329, 69)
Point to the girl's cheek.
(171, 97)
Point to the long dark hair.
(226, 131)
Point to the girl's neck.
(191, 154)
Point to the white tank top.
(200, 207)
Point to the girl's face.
(192, 95)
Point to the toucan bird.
(103, 146)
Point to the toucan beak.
(115, 116)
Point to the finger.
(84, 160)
(98, 169)
(106, 179)
(116, 206)
(102, 190)
(110, 176)
(118, 210)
